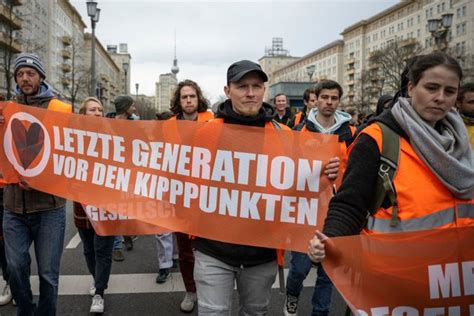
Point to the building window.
(458, 13)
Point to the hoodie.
(41, 99)
(341, 127)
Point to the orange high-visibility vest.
(344, 151)
(298, 118)
(59, 106)
(423, 201)
(202, 116)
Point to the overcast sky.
(213, 34)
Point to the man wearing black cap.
(32, 216)
(218, 265)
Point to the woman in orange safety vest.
(433, 184)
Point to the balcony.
(408, 42)
(10, 18)
(350, 82)
(18, 2)
(66, 54)
(104, 78)
(66, 82)
(5, 41)
(350, 61)
(66, 68)
(67, 40)
(351, 93)
(350, 71)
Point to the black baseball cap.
(239, 69)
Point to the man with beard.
(31, 216)
(187, 103)
(466, 108)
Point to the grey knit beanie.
(123, 103)
(31, 61)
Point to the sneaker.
(291, 305)
(118, 255)
(187, 305)
(97, 305)
(128, 242)
(163, 276)
(5, 295)
(92, 290)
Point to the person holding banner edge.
(32, 216)
(218, 265)
(97, 249)
(434, 148)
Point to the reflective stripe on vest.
(466, 211)
(433, 220)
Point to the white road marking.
(74, 242)
(133, 283)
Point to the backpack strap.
(389, 158)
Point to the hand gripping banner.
(239, 184)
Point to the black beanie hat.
(123, 103)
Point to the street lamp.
(439, 29)
(310, 71)
(136, 88)
(125, 70)
(94, 13)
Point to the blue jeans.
(300, 265)
(118, 242)
(46, 230)
(98, 254)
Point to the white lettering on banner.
(413, 311)
(100, 215)
(468, 277)
(448, 284)
(70, 167)
(112, 177)
(73, 141)
(234, 203)
(228, 166)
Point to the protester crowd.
(435, 140)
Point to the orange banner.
(406, 274)
(239, 184)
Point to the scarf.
(445, 149)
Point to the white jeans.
(166, 250)
(215, 285)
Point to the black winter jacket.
(232, 254)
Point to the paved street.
(132, 288)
